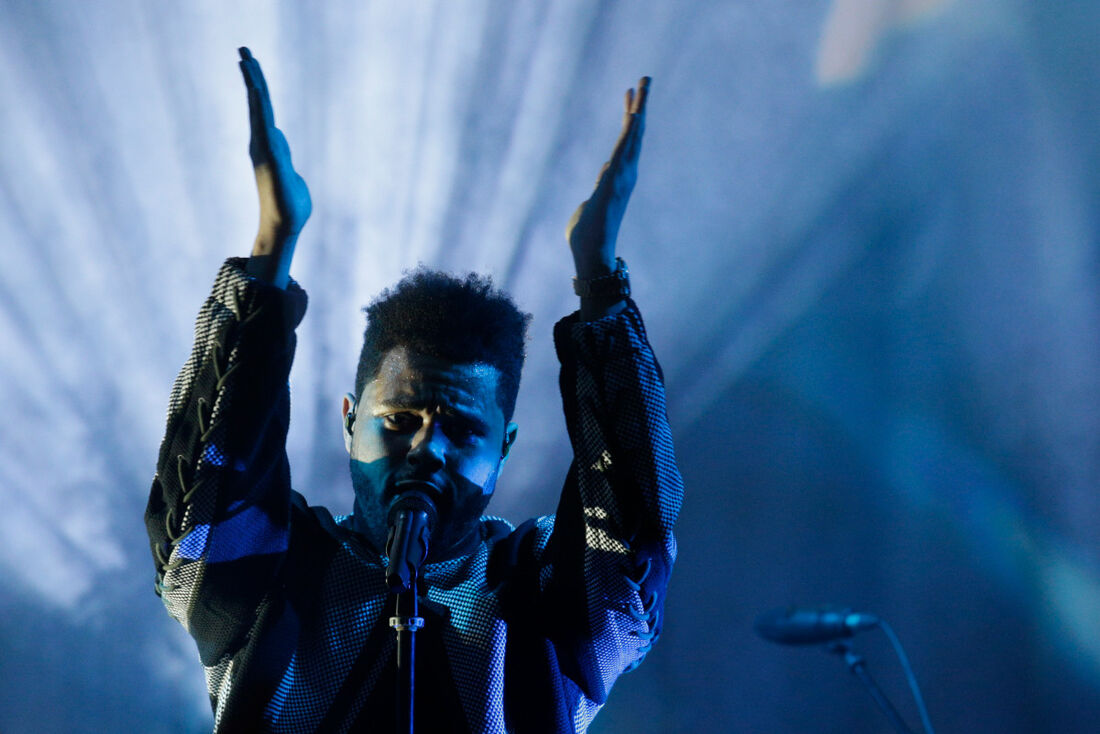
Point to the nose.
(428, 451)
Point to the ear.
(510, 432)
(347, 412)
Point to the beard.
(457, 529)
(370, 506)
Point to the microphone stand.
(411, 517)
(858, 665)
(406, 622)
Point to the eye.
(402, 422)
(463, 432)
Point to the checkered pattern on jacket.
(289, 607)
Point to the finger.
(259, 100)
(641, 96)
(632, 148)
(628, 146)
(634, 106)
(629, 131)
(247, 65)
(632, 133)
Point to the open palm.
(594, 226)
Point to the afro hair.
(461, 320)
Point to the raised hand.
(284, 197)
(594, 226)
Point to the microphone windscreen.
(803, 626)
(412, 501)
(772, 624)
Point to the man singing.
(525, 629)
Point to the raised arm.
(284, 197)
(594, 226)
(610, 549)
(219, 508)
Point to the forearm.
(594, 309)
(270, 259)
(616, 413)
(273, 248)
(624, 492)
(221, 492)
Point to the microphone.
(412, 516)
(807, 626)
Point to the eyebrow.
(407, 402)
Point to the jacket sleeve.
(219, 508)
(611, 548)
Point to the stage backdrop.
(864, 240)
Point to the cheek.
(481, 469)
(368, 446)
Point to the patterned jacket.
(289, 608)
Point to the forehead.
(411, 379)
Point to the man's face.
(427, 420)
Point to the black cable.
(924, 720)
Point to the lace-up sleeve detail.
(219, 506)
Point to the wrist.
(594, 309)
(271, 257)
(594, 267)
(607, 282)
(603, 294)
(592, 257)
